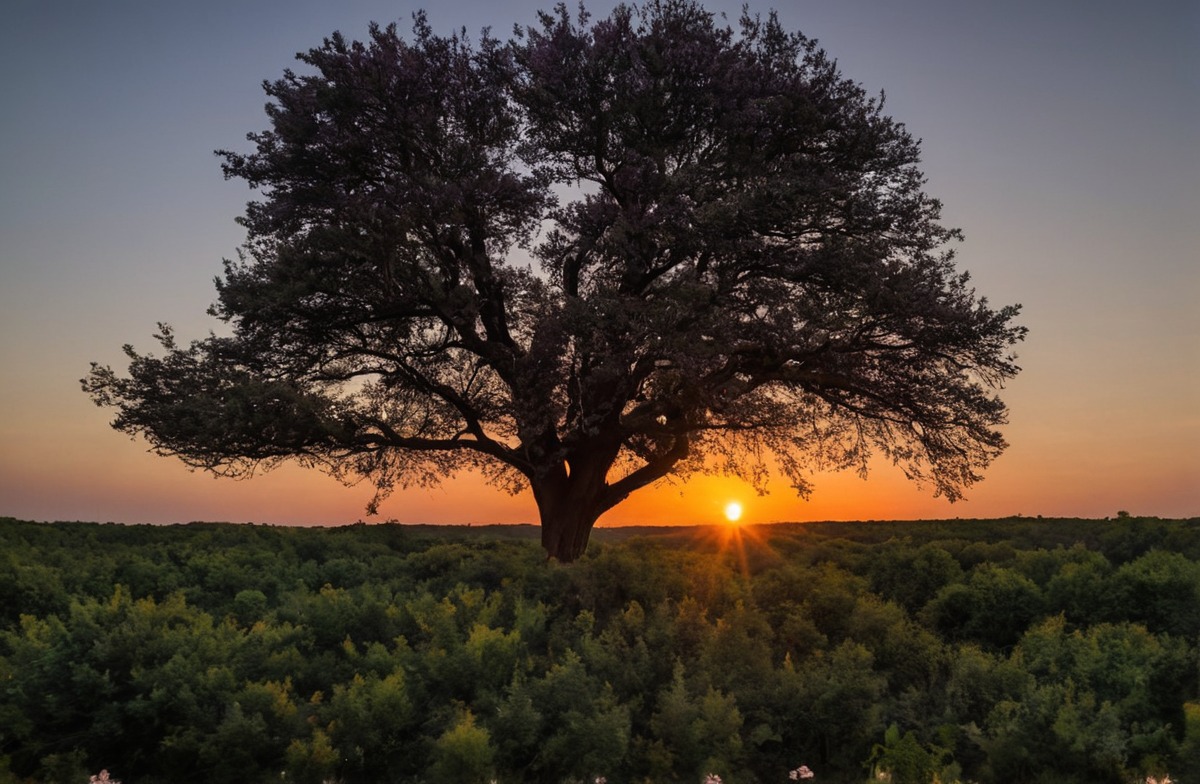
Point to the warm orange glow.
(740, 544)
(733, 511)
(112, 478)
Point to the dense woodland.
(1022, 650)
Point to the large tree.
(580, 260)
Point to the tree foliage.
(599, 253)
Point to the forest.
(1017, 650)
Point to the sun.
(733, 511)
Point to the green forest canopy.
(987, 651)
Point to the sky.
(1063, 139)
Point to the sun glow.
(733, 511)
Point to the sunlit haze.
(1063, 139)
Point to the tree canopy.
(579, 260)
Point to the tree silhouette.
(599, 253)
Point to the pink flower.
(712, 778)
(802, 772)
(103, 778)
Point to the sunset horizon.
(1061, 143)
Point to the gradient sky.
(1063, 138)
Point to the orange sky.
(1063, 143)
(102, 475)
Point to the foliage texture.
(373, 654)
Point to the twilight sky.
(1063, 138)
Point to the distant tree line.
(1023, 650)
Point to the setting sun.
(733, 511)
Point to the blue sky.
(1063, 138)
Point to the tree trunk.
(569, 503)
(565, 530)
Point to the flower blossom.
(802, 772)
